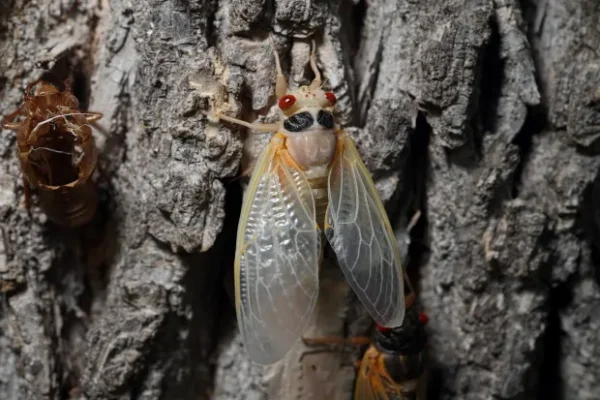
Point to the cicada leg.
(244, 173)
(93, 116)
(413, 221)
(254, 126)
(13, 126)
(335, 340)
(329, 340)
(8, 120)
(27, 194)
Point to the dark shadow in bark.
(419, 168)
(596, 264)
(233, 208)
(352, 16)
(208, 303)
(550, 385)
(589, 220)
(490, 86)
(73, 68)
(534, 124)
(436, 383)
(226, 325)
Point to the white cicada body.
(309, 180)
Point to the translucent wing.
(369, 385)
(277, 257)
(361, 236)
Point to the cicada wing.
(369, 385)
(361, 236)
(277, 258)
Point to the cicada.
(394, 365)
(308, 181)
(57, 152)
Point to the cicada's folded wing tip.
(361, 236)
(396, 320)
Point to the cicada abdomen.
(394, 365)
(57, 153)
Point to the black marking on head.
(325, 119)
(299, 122)
(409, 338)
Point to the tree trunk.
(482, 114)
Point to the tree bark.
(482, 114)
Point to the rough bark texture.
(483, 114)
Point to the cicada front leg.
(328, 341)
(218, 115)
(27, 194)
(246, 172)
(333, 340)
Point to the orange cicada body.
(395, 363)
(57, 153)
(393, 367)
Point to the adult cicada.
(57, 152)
(309, 180)
(394, 365)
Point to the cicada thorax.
(57, 153)
(310, 138)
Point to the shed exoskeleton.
(57, 152)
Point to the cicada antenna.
(280, 83)
(317, 82)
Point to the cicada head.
(45, 89)
(306, 98)
(308, 108)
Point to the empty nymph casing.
(57, 153)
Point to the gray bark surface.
(482, 114)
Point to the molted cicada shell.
(309, 181)
(57, 153)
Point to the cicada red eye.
(423, 318)
(383, 329)
(331, 97)
(287, 101)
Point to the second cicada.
(310, 180)
(395, 363)
(57, 152)
(393, 367)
